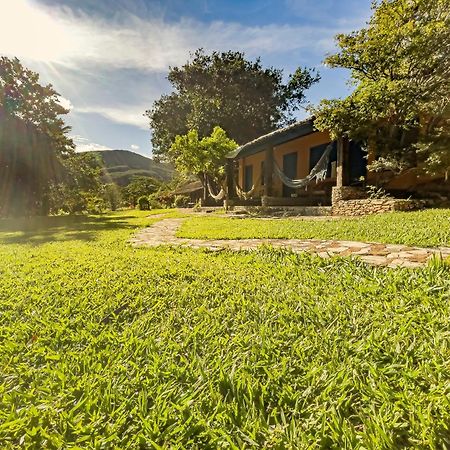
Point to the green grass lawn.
(107, 346)
(428, 228)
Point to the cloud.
(126, 115)
(134, 147)
(84, 145)
(114, 66)
(65, 103)
(59, 35)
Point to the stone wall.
(346, 202)
(347, 193)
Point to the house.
(294, 150)
(192, 189)
(301, 166)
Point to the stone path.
(390, 255)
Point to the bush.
(143, 203)
(94, 204)
(165, 199)
(154, 201)
(181, 201)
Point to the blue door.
(290, 170)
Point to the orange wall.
(300, 145)
(255, 161)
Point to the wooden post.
(268, 172)
(205, 191)
(342, 167)
(230, 178)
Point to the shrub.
(166, 199)
(94, 204)
(180, 201)
(143, 203)
(154, 201)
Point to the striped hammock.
(318, 172)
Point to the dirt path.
(390, 255)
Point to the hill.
(122, 165)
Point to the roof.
(188, 188)
(274, 138)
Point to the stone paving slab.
(390, 255)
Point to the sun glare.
(30, 31)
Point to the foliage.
(112, 196)
(94, 204)
(154, 201)
(139, 187)
(143, 203)
(80, 188)
(427, 228)
(226, 90)
(39, 171)
(180, 201)
(23, 97)
(374, 192)
(106, 346)
(202, 157)
(27, 167)
(400, 64)
(83, 171)
(165, 198)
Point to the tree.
(205, 157)
(112, 195)
(226, 90)
(34, 145)
(22, 96)
(27, 167)
(400, 65)
(139, 187)
(80, 188)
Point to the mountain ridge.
(122, 165)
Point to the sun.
(33, 32)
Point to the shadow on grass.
(40, 230)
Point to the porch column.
(230, 178)
(268, 172)
(342, 167)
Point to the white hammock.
(217, 197)
(249, 194)
(319, 171)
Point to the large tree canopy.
(226, 90)
(23, 97)
(39, 170)
(400, 65)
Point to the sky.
(109, 59)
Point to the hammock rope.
(318, 172)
